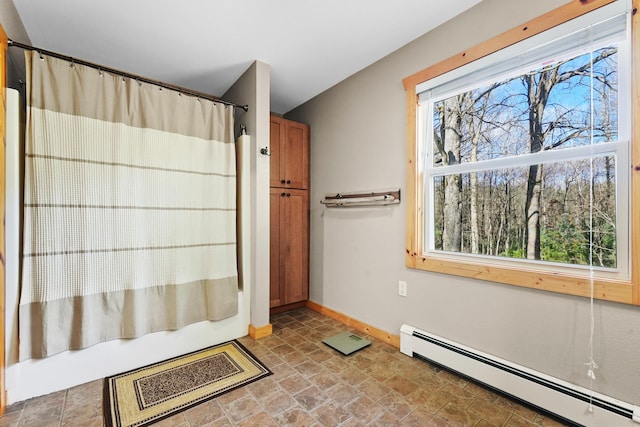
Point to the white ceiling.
(206, 45)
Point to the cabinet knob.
(282, 181)
(282, 194)
(288, 194)
(288, 181)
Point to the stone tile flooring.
(313, 385)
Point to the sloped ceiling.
(206, 45)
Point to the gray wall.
(15, 57)
(252, 89)
(357, 255)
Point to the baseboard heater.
(560, 398)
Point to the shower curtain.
(129, 209)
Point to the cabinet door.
(289, 144)
(296, 157)
(294, 248)
(289, 264)
(276, 145)
(276, 285)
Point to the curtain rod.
(180, 89)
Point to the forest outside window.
(523, 168)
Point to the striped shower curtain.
(129, 209)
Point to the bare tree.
(475, 130)
(451, 141)
(534, 211)
(539, 85)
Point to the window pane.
(546, 108)
(490, 212)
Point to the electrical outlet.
(402, 288)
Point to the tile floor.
(313, 385)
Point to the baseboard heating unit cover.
(568, 401)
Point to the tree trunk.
(507, 212)
(532, 210)
(538, 89)
(488, 213)
(475, 131)
(451, 233)
(474, 212)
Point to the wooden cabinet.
(289, 154)
(289, 200)
(289, 278)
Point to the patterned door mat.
(143, 396)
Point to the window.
(521, 159)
